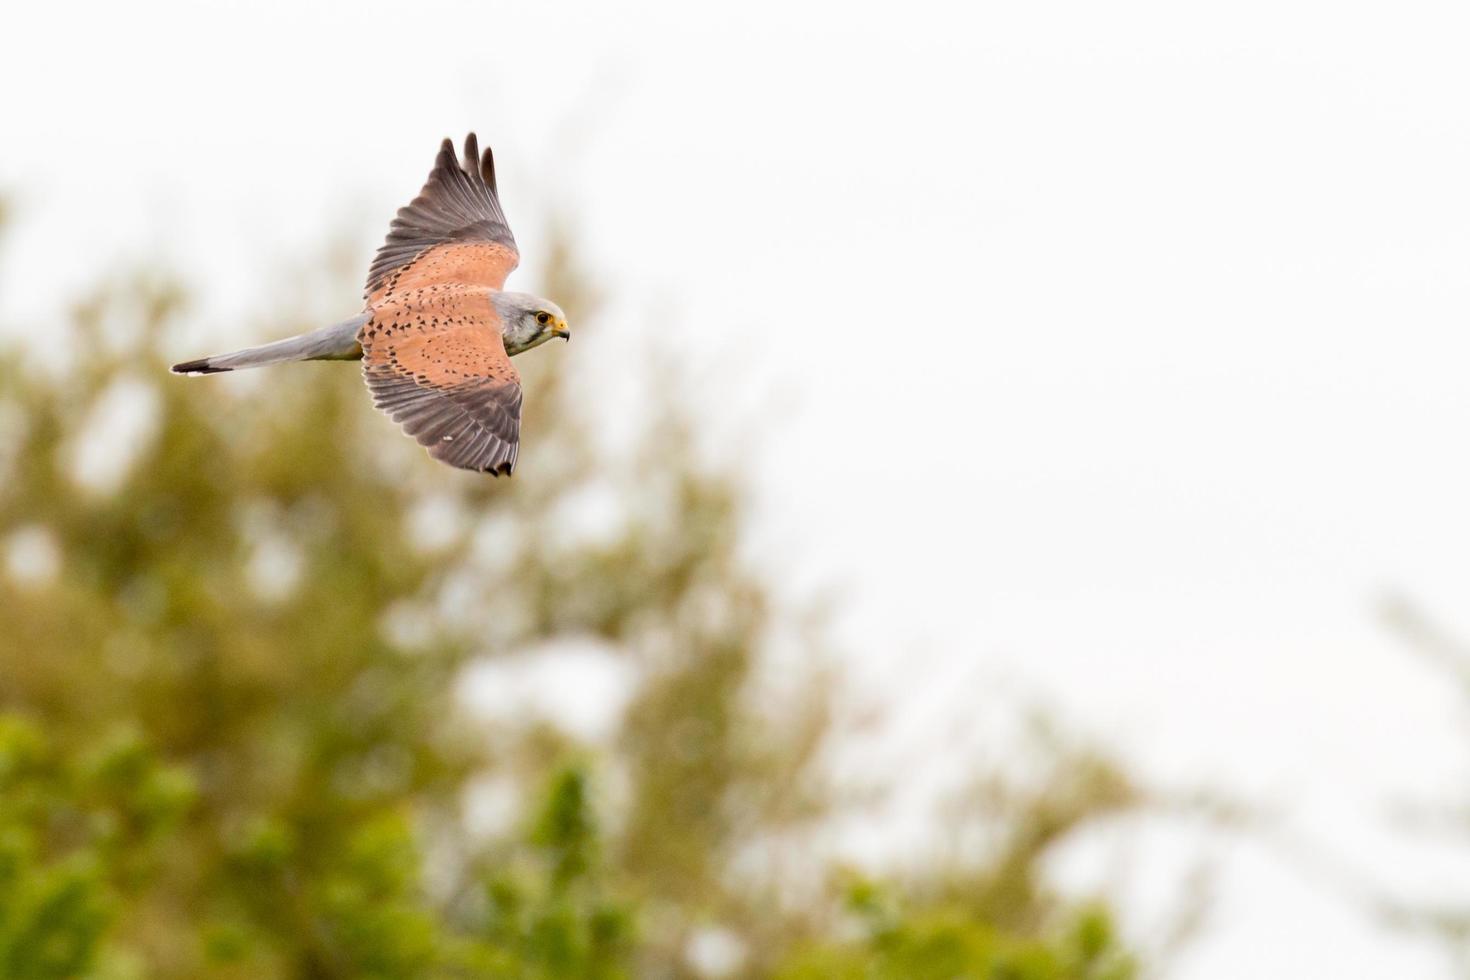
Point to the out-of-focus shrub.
(241, 627)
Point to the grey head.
(528, 321)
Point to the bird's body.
(437, 331)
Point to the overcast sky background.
(1112, 354)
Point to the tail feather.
(201, 366)
(335, 343)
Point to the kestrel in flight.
(437, 332)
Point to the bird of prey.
(437, 332)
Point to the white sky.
(1118, 350)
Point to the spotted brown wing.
(437, 366)
(454, 231)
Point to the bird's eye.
(543, 318)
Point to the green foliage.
(952, 942)
(78, 833)
(233, 742)
(557, 920)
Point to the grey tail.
(335, 343)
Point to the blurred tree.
(238, 619)
(942, 942)
(1441, 823)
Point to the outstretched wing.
(435, 363)
(454, 231)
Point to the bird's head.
(528, 321)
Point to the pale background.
(1106, 355)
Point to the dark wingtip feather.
(201, 366)
(487, 170)
(447, 156)
(471, 154)
(486, 162)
